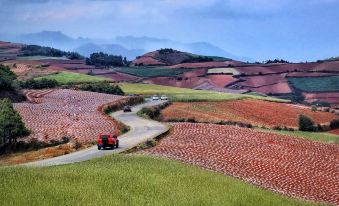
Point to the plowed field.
(291, 166)
(67, 113)
(256, 112)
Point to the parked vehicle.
(127, 109)
(163, 97)
(155, 97)
(107, 141)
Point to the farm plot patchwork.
(67, 113)
(291, 166)
(69, 77)
(330, 97)
(151, 71)
(316, 84)
(256, 112)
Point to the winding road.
(141, 130)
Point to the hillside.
(169, 57)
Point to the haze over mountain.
(261, 29)
(128, 46)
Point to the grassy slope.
(151, 71)
(318, 136)
(181, 94)
(129, 180)
(316, 84)
(69, 77)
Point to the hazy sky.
(261, 29)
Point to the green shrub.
(6, 78)
(11, 124)
(334, 124)
(102, 87)
(305, 123)
(314, 108)
(39, 84)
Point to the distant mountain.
(128, 46)
(151, 44)
(116, 49)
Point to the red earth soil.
(147, 61)
(222, 80)
(67, 64)
(256, 112)
(67, 113)
(194, 73)
(332, 66)
(335, 131)
(275, 68)
(330, 97)
(263, 80)
(289, 165)
(279, 88)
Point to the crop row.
(67, 113)
(292, 166)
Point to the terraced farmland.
(256, 112)
(316, 84)
(291, 166)
(69, 78)
(151, 71)
(67, 113)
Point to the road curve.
(141, 130)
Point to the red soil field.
(330, 97)
(67, 113)
(256, 112)
(289, 165)
(279, 88)
(194, 73)
(263, 80)
(276, 68)
(67, 64)
(332, 66)
(147, 61)
(335, 131)
(222, 80)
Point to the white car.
(163, 97)
(155, 97)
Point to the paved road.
(141, 131)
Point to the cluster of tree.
(276, 61)
(101, 59)
(166, 51)
(35, 50)
(11, 125)
(307, 124)
(102, 87)
(6, 78)
(197, 59)
(39, 84)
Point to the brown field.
(291, 166)
(279, 88)
(330, 97)
(67, 113)
(256, 112)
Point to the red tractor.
(107, 140)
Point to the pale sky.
(296, 30)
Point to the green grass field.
(186, 95)
(73, 78)
(130, 180)
(151, 71)
(316, 84)
(317, 136)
